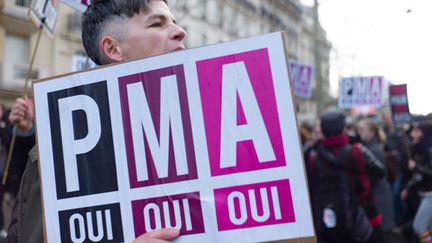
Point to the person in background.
(315, 138)
(311, 146)
(4, 147)
(360, 160)
(421, 165)
(372, 139)
(351, 131)
(396, 154)
(21, 120)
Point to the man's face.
(151, 33)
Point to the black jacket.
(422, 154)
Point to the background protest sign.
(81, 62)
(301, 77)
(399, 104)
(80, 5)
(44, 13)
(204, 140)
(361, 91)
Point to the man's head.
(119, 30)
(332, 123)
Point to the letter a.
(235, 79)
(375, 87)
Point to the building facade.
(212, 21)
(18, 37)
(206, 21)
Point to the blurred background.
(330, 39)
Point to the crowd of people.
(369, 180)
(12, 121)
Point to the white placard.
(44, 13)
(204, 140)
(80, 5)
(361, 91)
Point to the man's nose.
(178, 33)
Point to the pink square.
(259, 78)
(254, 205)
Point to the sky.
(390, 38)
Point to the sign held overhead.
(361, 91)
(302, 76)
(399, 104)
(80, 5)
(44, 14)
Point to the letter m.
(157, 127)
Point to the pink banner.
(398, 99)
(301, 78)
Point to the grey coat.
(26, 223)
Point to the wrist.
(24, 131)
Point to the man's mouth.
(179, 48)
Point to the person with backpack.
(343, 204)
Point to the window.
(17, 58)
(16, 49)
(203, 39)
(75, 21)
(23, 3)
(203, 9)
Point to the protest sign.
(80, 5)
(81, 62)
(361, 91)
(44, 14)
(399, 104)
(204, 140)
(301, 77)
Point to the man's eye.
(156, 24)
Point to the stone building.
(206, 21)
(213, 21)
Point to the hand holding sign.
(22, 114)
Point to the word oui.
(93, 224)
(254, 205)
(169, 212)
(80, 233)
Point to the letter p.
(72, 146)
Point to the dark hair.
(332, 123)
(424, 123)
(105, 13)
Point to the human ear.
(110, 49)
